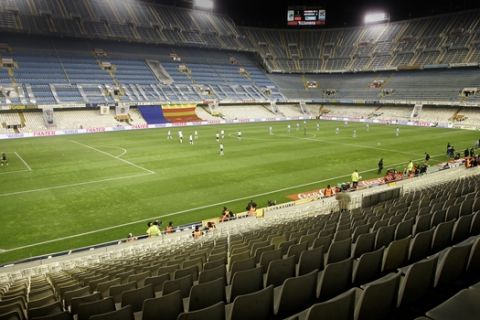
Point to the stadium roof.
(340, 13)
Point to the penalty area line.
(195, 209)
(24, 162)
(114, 157)
(73, 185)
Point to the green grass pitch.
(67, 189)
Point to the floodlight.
(374, 17)
(203, 4)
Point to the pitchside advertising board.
(306, 16)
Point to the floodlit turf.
(75, 186)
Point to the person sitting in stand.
(153, 229)
(251, 208)
(197, 233)
(211, 226)
(225, 216)
(328, 191)
(170, 228)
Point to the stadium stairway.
(152, 114)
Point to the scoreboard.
(306, 16)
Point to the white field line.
(197, 208)
(348, 144)
(73, 185)
(24, 162)
(121, 154)
(15, 171)
(114, 157)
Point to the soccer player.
(221, 149)
(367, 126)
(427, 157)
(298, 126)
(3, 159)
(169, 135)
(318, 126)
(346, 123)
(380, 166)
(354, 133)
(180, 135)
(239, 135)
(270, 130)
(222, 134)
(195, 134)
(217, 136)
(397, 131)
(190, 139)
(337, 131)
(289, 127)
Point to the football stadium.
(209, 159)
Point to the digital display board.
(306, 16)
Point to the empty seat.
(259, 251)
(169, 306)
(193, 270)
(42, 302)
(245, 281)
(420, 245)
(183, 284)
(396, 254)
(243, 265)
(361, 229)
(464, 305)
(117, 290)
(255, 305)
(473, 266)
(404, 229)
(64, 315)
(135, 297)
(442, 235)
(103, 287)
(213, 274)
(139, 278)
(279, 270)
(75, 293)
(310, 260)
(338, 251)
(215, 312)
(342, 234)
(296, 294)
(422, 223)
(364, 243)
(368, 266)
(296, 249)
(341, 307)
(125, 313)
(45, 310)
(376, 299)
(268, 256)
(157, 281)
(75, 303)
(206, 294)
(416, 281)
(334, 279)
(384, 236)
(438, 217)
(87, 309)
(461, 228)
(324, 242)
(451, 264)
